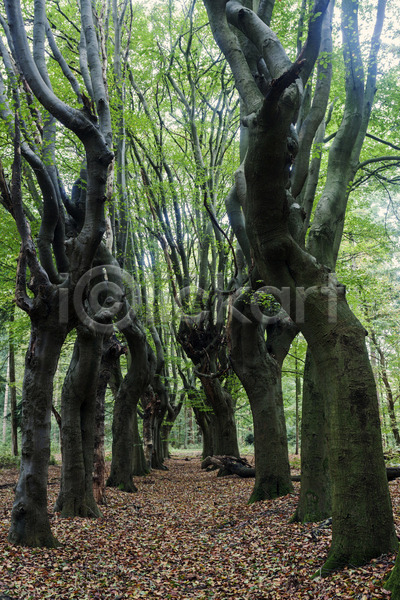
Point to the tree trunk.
(5, 409)
(13, 391)
(140, 466)
(361, 506)
(112, 350)
(161, 410)
(315, 492)
(173, 412)
(206, 421)
(260, 375)
(202, 344)
(150, 401)
(222, 404)
(30, 524)
(125, 432)
(229, 465)
(388, 389)
(78, 406)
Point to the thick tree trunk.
(125, 436)
(361, 507)
(173, 412)
(155, 402)
(78, 406)
(99, 459)
(260, 375)
(30, 524)
(315, 502)
(393, 581)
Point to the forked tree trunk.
(260, 375)
(78, 406)
(315, 503)
(30, 524)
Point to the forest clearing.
(184, 534)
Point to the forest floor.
(185, 534)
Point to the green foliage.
(7, 460)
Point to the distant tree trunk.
(225, 440)
(202, 344)
(125, 432)
(112, 350)
(388, 389)
(150, 402)
(78, 407)
(30, 524)
(161, 410)
(172, 414)
(206, 423)
(140, 466)
(315, 502)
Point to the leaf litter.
(185, 534)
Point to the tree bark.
(206, 421)
(78, 406)
(260, 375)
(124, 428)
(315, 492)
(202, 344)
(30, 524)
(13, 394)
(112, 350)
(222, 404)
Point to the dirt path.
(185, 534)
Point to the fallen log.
(392, 473)
(230, 465)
